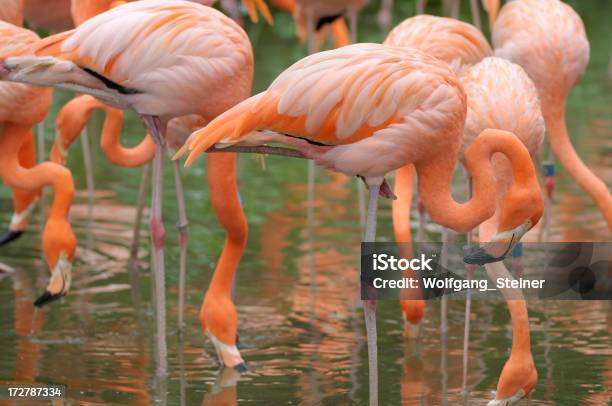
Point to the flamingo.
(74, 116)
(223, 189)
(366, 110)
(461, 45)
(50, 18)
(547, 38)
(59, 241)
(82, 11)
(145, 62)
(498, 82)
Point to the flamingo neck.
(111, 144)
(435, 178)
(223, 277)
(554, 116)
(521, 344)
(223, 192)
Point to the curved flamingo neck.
(223, 192)
(435, 178)
(111, 144)
(554, 116)
(44, 174)
(74, 117)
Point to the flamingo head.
(521, 210)
(228, 354)
(59, 285)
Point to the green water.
(304, 345)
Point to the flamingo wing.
(448, 39)
(151, 52)
(548, 39)
(341, 97)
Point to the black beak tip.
(46, 298)
(241, 368)
(9, 236)
(478, 256)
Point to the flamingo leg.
(454, 11)
(352, 15)
(142, 191)
(444, 300)
(420, 6)
(311, 166)
(475, 14)
(91, 190)
(158, 237)
(182, 225)
(549, 183)
(369, 306)
(384, 15)
(468, 303)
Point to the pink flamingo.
(500, 83)
(143, 63)
(461, 45)
(366, 110)
(547, 38)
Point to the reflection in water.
(300, 323)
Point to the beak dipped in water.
(59, 285)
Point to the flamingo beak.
(59, 285)
(10, 235)
(229, 355)
(19, 221)
(500, 246)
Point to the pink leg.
(142, 191)
(183, 237)
(369, 306)
(158, 237)
(468, 302)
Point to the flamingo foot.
(9, 236)
(228, 354)
(512, 400)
